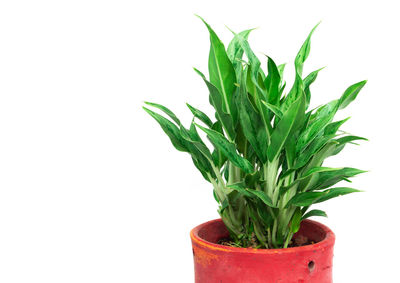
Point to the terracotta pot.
(215, 263)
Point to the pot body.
(215, 263)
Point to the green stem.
(274, 233)
(287, 240)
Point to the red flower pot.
(215, 263)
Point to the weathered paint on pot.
(215, 263)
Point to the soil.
(299, 241)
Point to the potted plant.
(266, 168)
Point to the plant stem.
(287, 240)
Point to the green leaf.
(256, 76)
(200, 115)
(350, 94)
(320, 170)
(274, 109)
(295, 222)
(314, 212)
(170, 129)
(262, 196)
(165, 110)
(332, 128)
(272, 82)
(320, 120)
(318, 158)
(217, 156)
(216, 101)
(305, 199)
(295, 92)
(329, 178)
(222, 73)
(251, 123)
(228, 149)
(307, 83)
(286, 126)
(193, 137)
(345, 140)
(348, 139)
(303, 53)
(235, 51)
(281, 69)
(335, 192)
(240, 189)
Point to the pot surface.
(215, 263)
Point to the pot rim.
(329, 240)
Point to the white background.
(91, 190)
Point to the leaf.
(165, 110)
(200, 153)
(228, 149)
(286, 126)
(256, 76)
(262, 196)
(320, 170)
(307, 83)
(348, 139)
(200, 115)
(240, 189)
(305, 199)
(193, 137)
(222, 73)
(281, 69)
(332, 128)
(329, 178)
(251, 123)
(311, 78)
(235, 51)
(295, 92)
(344, 140)
(272, 82)
(319, 157)
(350, 94)
(314, 212)
(216, 102)
(217, 156)
(335, 192)
(296, 220)
(303, 53)
(320, 120)
(274, 109)
(170, 129)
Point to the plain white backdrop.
(91, 190)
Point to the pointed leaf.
(235, 51)
(272, 83)
(350, 94)
(216, 101)
(165, 110)
(252, 125)
(335, 192)
(262, 196)
(200, 115)
(222, 73)
(228, 149)
(303, 53)
(170, 129)
(314, 212)
(305, 199)
(274, 109)
(286, 126)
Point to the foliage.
(266, 165)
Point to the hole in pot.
(193, 251)
(311, 266)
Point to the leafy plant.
(266, 165)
